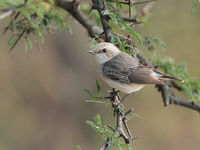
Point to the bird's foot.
(113, 94)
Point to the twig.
(135, 3)
(130, 8)
(104, 20)
(104, 5)
(19, 21)
(6, 14)
(90, 27)
(72, 8)
(104, 145)
(12, 8)
(9, 11)
(130, 19)
(128, 112)
(122, 37)
(148, 1)
(170, 98)
(18, 38)
(119, 127)
(127, 129)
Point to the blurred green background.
(42, 103)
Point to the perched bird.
(124, 72)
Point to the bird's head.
(103, 52)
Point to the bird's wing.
(119, 68)
(145, 75)
(126, 69)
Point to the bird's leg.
(115, 100)
(114, 93)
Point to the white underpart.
(123, 87)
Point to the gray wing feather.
(126, 69)
(120, 67)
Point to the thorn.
(128, 112)
(91, 9)
(135, 138)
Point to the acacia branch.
(72, 9)
(104, 18)
(170, 98)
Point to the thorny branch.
(121, 119)
(104, 18)
(168, 96)
(73, 9)
(135, 3)
(9, 11)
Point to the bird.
(124, 72)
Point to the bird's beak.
(91, 51)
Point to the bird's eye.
(104, 50)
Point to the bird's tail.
(171, 78)
(166, 77)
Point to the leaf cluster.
(118, 21)
(152, 41)
(107, 134)
(33, 19)
(98, 96)
(194, 5)
(190, 87)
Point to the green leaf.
(111, 7)
(194, 6)
(159, 42)
(118, 4)
(41, 36)
(12, 39)
(122, 45)
(78, 148)
(98, 86)
(91, 123)
(69, 28)
(106, 12)
(118, 21)
(189, 87)
(125, 146)
(150, 40)
(136, 35)
(93, 97)
(26, 13)
(30, 42)
(97, 118)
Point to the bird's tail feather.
(171, 78)
(163, 76)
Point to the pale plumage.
(124, 72)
